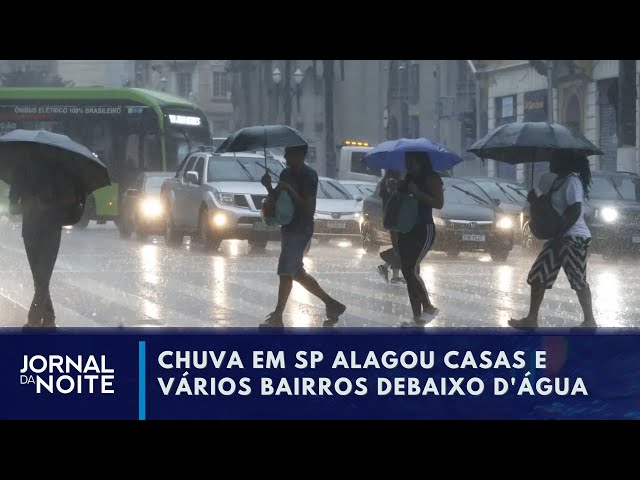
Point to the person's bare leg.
(334, 307)
(531, 320)
(284, 290)
(584, 297)
(312, 286)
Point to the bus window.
(132, 152)
(152, 155)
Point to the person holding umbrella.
(422, 159)
(425, 185)
(565, 230)
(50, 176)
(569, 249)
(301, 183)
(42, 194)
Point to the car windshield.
(241, 169)
(153, 183)
(332, 191)
(615, 188)
(360, 190)
(505, 192)
(464, 193)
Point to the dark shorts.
(570, 255)
(292, 247)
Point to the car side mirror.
(191, 177)
(359, 198)
(496, 201)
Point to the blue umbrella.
(389, 155)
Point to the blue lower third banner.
(342, 374)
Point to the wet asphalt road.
(103, 281)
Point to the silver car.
(216, 197)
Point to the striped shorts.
(570, 254)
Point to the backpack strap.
(555, 186)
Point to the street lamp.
(288, 91)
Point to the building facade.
(597, 98)
(373, 100)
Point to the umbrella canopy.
(55, 149)
(390, 155)
(262, 137)
(528, 142)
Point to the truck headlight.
(224, 198)
(219, 219)
(505, 223)
(609, 214)
(441, 222)
(151, 207)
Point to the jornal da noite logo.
(66, 374)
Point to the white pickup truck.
(214, 197)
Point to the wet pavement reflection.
(101, 280)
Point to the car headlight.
(224, 198)
(219, 220)
(505, 223)
(357, 215)
(609, 214)
(151, 207)
(441, 222)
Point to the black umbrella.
(55, 149)
(251, 139)
(528, 142)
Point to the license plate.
(337, 225)
(264, 227)
(635, 239)
(468, 237)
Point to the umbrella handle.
(265, 150)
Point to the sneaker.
(273, 320)
(398, 281)
(383, 271)
(333, 313)
(415, 323)
(427, 317)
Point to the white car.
(358, 188)
(338, 212)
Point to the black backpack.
(545, 222)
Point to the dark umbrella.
(527, 142)
(52, 147)
(250, 139)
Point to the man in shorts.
(300, 181)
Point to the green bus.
(130, 129)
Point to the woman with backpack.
(425, 185)
(564, 205)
